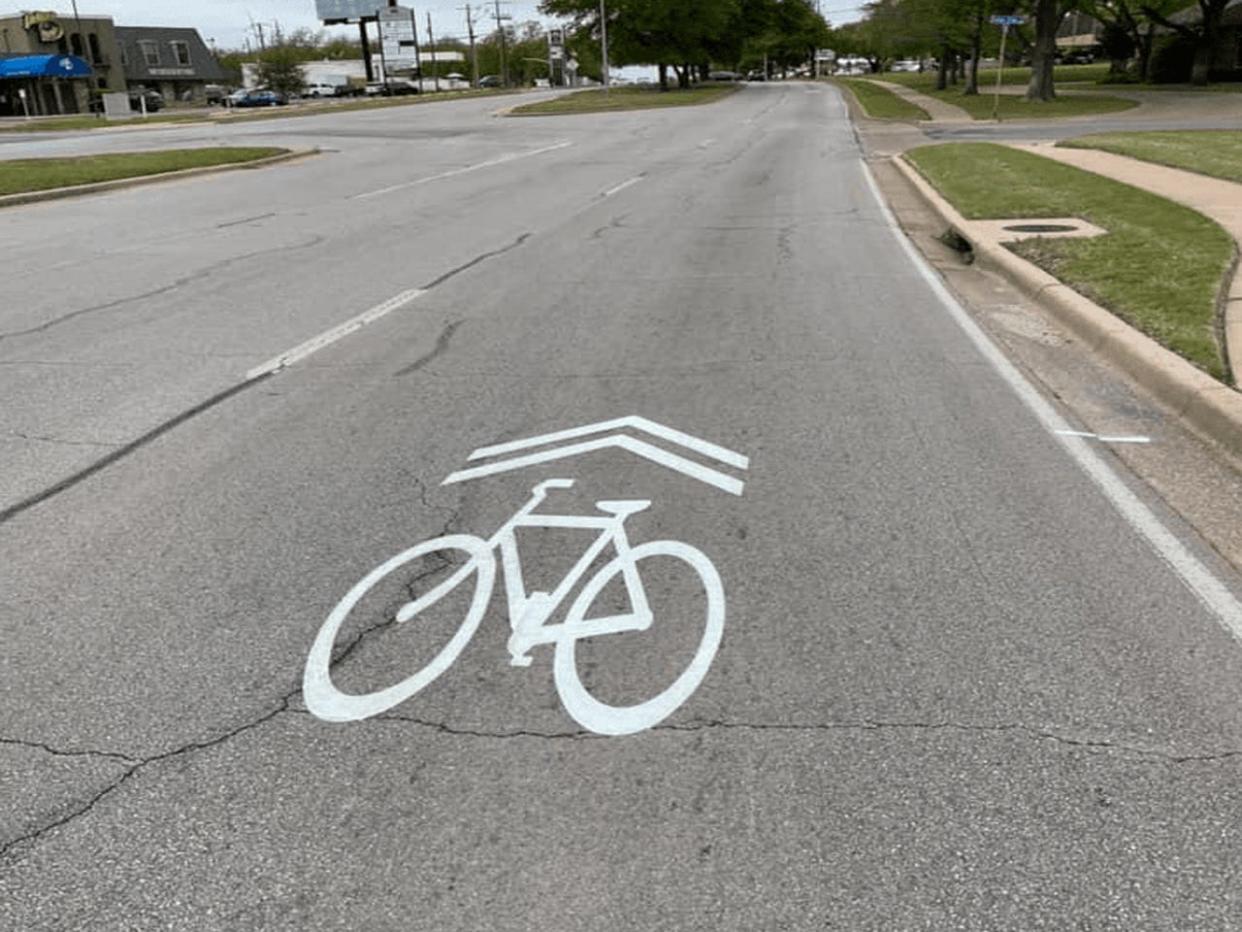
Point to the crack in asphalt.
(67, 752)
(136, 765)
(482, 257)
(442, 344)
(163, 289)
(35, 438)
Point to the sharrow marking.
(512, 156)
(641, 448)
(328, 337)
(1206, 586)
(634, 421)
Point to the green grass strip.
(625, 98)
(1159, 267)
(18, 176)
(880, 103)
(1012, 106)
(1210, 152)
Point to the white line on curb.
(328, 337)
(512, 156)
(1084, 433)
(1210, 591)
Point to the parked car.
(261, 97)
(154, 100)
(489, 80)
(215, 94)
(395, 87)
(905, 65)
(723, 76)
(323, 89)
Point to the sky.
(228, 21)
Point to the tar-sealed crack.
(156, 292)
(482, 257)
(442, 344)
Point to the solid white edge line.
(500, 160)
(328, 337)
(1211, 592)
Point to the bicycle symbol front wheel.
(327, 702)
(606, 719)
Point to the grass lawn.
(1012, 107)
(70, 123)
(625, 98)
(18, 176)
(1159, 268)
(1211, 152)
(881, 103)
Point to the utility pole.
(474, 55)
(504, 45)
(603, 43)
(431, 47)
(418, 52)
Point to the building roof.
(202, 67)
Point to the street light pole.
(603, 42)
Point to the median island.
(23, 176)
(598, 100)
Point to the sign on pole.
(1004, 22)
(397, 39)
(345, 11)
(1008, 20)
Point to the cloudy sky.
(228, 21)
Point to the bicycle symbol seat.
(530, 614)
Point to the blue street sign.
(1008, 20)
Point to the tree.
(1204, 33)
(1048, 16)
(280, 68)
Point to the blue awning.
(44, 66)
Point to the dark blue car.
(261, 98)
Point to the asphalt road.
(958, 686)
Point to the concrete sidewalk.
(1212, 197)
(938, 110)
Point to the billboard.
(398, 39)
(347, 10)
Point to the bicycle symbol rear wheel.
(327, 702)
(606, 719)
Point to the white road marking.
(1083, 433)
(511, 157)
(622, 186)
(529, 614)
(639, 447)
(633, 421)
(1206, 586)
(328, 337)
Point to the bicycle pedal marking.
(531, 613)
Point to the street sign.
(1008, 20)
(825, 55)
(345, 11)
(396, 27)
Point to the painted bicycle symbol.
(531, 613)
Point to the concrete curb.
(99, 187)
(1210, 408)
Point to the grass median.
(625, 98)
(1209, 152)
(21, 176)
(1159, 267)
(880, 103)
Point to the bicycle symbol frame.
(530, 614)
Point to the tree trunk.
(976, 46)
(1044, 51)
(683, 76)
(942, 70)
(1202, 66)
(705, 72)
(1145, 43)
(663, 68)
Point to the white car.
(321, 90)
